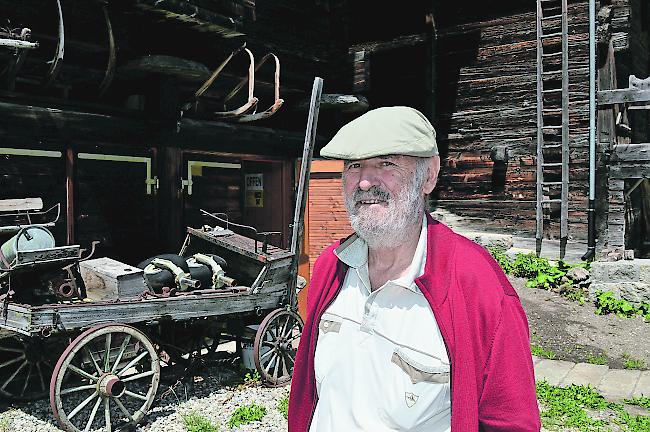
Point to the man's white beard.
(386, 230)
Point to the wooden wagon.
(99, 355)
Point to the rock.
(578, 274)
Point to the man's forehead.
(401, 158)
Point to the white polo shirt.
(380, 362)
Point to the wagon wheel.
(185, 348)
(113, 367)
(276, 343)
(25, 367)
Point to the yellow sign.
(254, 184)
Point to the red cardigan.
(482, 323)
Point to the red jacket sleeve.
(508, 402)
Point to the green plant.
(538, 351)
(251, 378)
(5, 424)
(632, 363)
(606, 303)
(283, 407)
(246, 414)
(501, 258)
(642, 401)
(197, 423)
(570, 407)
(600, 359)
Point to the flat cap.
(384, 131)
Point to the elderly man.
(410, 327)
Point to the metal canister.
(27, 239)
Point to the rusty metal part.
(57, 61)
(112, 56)
(276, 345)
(93, 246)
(182, 279)
(114, 362)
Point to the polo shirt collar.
(353, 252)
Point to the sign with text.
(254, 187)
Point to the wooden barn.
(134, 114)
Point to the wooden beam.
(23, 204)
(398, 42)
(628, 95)
(632, 152)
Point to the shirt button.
(326, 324)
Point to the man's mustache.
(375, 192)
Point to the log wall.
(487, 108)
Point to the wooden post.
(431, 73)
(170, 199)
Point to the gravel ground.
(214, 393)
(575, 333)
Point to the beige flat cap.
(384, 131)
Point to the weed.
(538, 351)
(252, 378)
(502, 259)
(566, 407)
(283, 406)
(642, 401)
(197, 423)
(5, 424)
(246, 414)
(599, 359)
(632, 363)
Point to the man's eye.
(354, 166)
(387, 163)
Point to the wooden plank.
(398, 42)
(22, 204)
(632, 152)
(326, 166)
(628, 95)
(630, 171)
(72, 316)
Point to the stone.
(553, 371)
(643, 385)
(585, 373)
(618, 384)
(578, 274)
(634, 292)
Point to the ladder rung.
(552, 91)
(548, 146)
(552, 127)
(552, 164)
(551, 183)
(551, 35)
(550, 1)
(552, 110)
(550, 17)
(555, 54)
(551, 201)
(551, 72)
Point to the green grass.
(538, 351)
(195, 422)
(574, 406)
(632, 363)
(283, 407)
(246, 414)
(642, 401)
(599, 359)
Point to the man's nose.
(365, 184)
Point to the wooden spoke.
(82, 373)
(107, 415)
(92, 359)
(107, 352)
(132, 363)
(135, 395)
(93, 413)
(13, 375)
(29, 374)
(12, 361)
(125, 342)
(83, 404)
(139, 376)
(80, 388)
(123, 409)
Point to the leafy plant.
(606, 303)
(501, 258)
(283, 407)
(632, 363)
(246, 414)
(5, 424)
(597, 359)
(195, 422)
(569, 407)
(250, 379)
(538, 351)
(642, 401)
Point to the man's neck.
(391, 263)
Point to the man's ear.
(432, 178)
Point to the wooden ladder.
(552, 118)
